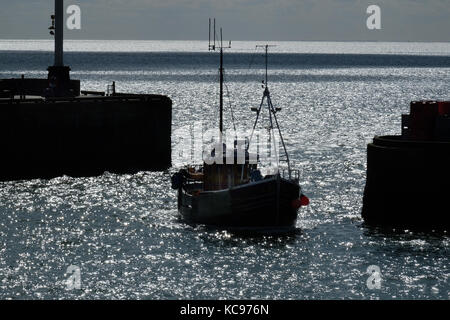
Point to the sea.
(119, 236)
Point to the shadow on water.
(237, 237)
(404, 234)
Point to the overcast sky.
(401, 20)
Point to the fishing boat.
(230, 192)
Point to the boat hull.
(262, 204)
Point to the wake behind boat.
(228, 191)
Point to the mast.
(272, 113)
(266, 47)
(221, 84)
(212, 47)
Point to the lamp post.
(59, 32)
(59, 74)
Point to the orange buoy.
(304, 200)
(300, 202)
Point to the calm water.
(122, 231)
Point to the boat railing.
(290, 174)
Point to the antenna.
(212, 47)
(266, 47)
(212, 42)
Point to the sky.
(272, 20)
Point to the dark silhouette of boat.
(232, 194)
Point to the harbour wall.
(31, 86)
(408, 183)
(84, 136)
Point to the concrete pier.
(47, 129)
(408, 184)
(34, 86)
(408, 176)
(84, 136)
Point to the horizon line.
(187, 40)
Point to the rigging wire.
(252, 59)
(231, 111)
